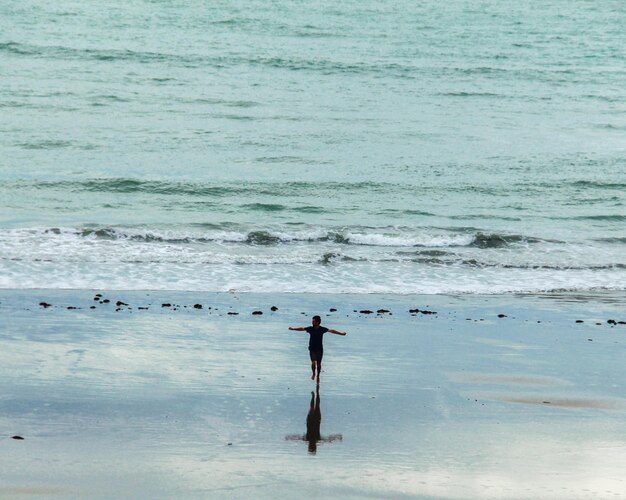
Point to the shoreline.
(196, 402)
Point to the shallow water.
(179, 401)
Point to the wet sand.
(491, 397)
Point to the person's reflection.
(313, 422)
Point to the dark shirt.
(315, 337)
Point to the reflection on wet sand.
(313, 421)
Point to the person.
(316, 348)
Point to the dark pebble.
(98, 295)
(612, 322)
(166, 305)
(366, 311)
(143, 308)
(502, 315)
(72, 307)
(414, 311)
(96, 298)
(621, 322)
(19, 438)
(92, 307)
(256, 313)
(119, 303)
(233, 314)
(274, 308)
(332, 310)
(106, 301)
(197, 306)
(428, 312)
(45, 304)
(579, 321)
(382, 311)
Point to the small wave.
(202, 189)
(495, 240)
(262, 238)
(264, 207)
(225, 234)
(612, 240)
(599, 185)
(473, 94)
(609, 218)
(331, 257)
(46, 144)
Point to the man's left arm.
(336, 332)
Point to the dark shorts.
(316, 355)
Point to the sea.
(402, 147)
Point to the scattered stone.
(119, 303)
(428, 312)
(98, 295)
(332, 310)
(197, 306)
(274, 308)
(45, 305)
(621, 322)
(143, 308)
(366, 311)
(612, 322)
(96, 298)
(166, 304)
(92, 307)
(502, 316)
(579, 321)
(590, 340)
(105, 301)
(233, 313)
(19, 438)
(72, 307)
(414, 311)
(382, 311)
(256, 313)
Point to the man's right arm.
(296, 328)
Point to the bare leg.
(313, 369)
(319, 370)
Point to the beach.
(181, 182)
(171, 394)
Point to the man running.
(316, 348)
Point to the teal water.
(362, 147)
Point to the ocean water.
(360, 147)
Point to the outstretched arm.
(296, 328)
(337, 332)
